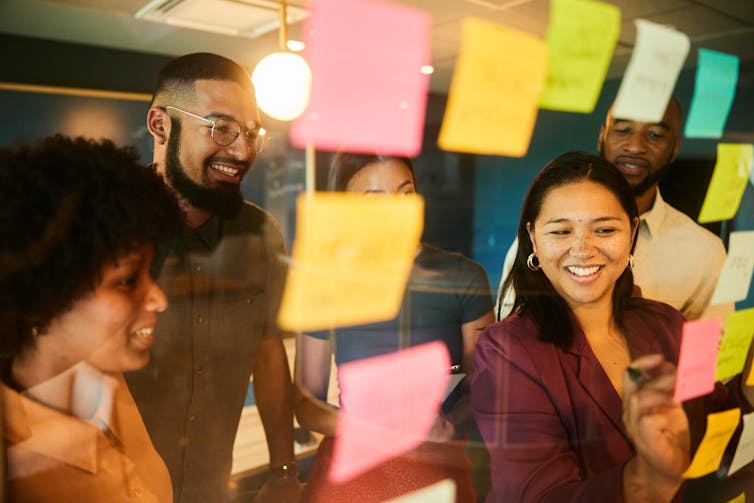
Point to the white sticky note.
(735, 278)
(441, 492)
(745, 450)
(651, 74)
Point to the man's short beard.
(650, 180)
(224, 201)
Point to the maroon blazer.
(550, 418)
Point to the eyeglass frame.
(261, 132)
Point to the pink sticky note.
(698, 358)
(368, 93)
(388, 404)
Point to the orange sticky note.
(388, 405)
(728, 182)
(698, 359)
(720, 427)
(351, 259)
(498, 78)
(741, 498)
(368, 92)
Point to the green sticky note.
(728, 182)
(714, 90)
(581, 38)
(731, 357)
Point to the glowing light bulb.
(282, 81)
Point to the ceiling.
(723, 25)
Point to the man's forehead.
(670, 121)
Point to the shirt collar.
(31, 426)
(656, 214)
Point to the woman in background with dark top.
(78, 227)
(447, 299)
(551, 394)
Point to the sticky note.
(739, 330)
(368, 92)
(352, 255)
(745, 450)
(581, 38)
(720, 427)
(735, 277)
(388, 405)
(697, 360)
(728, 182)
(441, 492)
(714, 90)
(741, 498)
(497, 81)
(651, 73)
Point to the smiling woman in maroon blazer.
(560, 418)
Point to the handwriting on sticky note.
(368, 93)
(441, 492)
(728, 182)
(581, 38)
(497, 81)
(735, 277)
(388, 405)
(739, 330)
(697, 360)
(714, 90)
(745, 450)
(351, 259)
(720, 427)
(657, 59)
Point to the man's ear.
(158, 124)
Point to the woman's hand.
(658, 428)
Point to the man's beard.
(224, 201)
(648, 181)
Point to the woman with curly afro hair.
(79, 224)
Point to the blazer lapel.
(597, 385)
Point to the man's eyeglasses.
(225, 130)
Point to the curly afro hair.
(70, 206)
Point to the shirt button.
(192, 418)
(197, 268)
(248, 300)
(200, 319)
(137, 492)
(200, 370)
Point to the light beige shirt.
(54, 457)
(676, 261)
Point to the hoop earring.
(630, 264)
(530, 263)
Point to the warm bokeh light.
(282, 81)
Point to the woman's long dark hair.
(535, 294)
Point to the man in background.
(224, 279)
(676, 260)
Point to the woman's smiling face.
(582, 238)
(111, 327)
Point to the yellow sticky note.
(351, 259)
(720, 427)
(498, 78)
(581, 38)
(741, 498)
(728, 182)
(731, 357)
